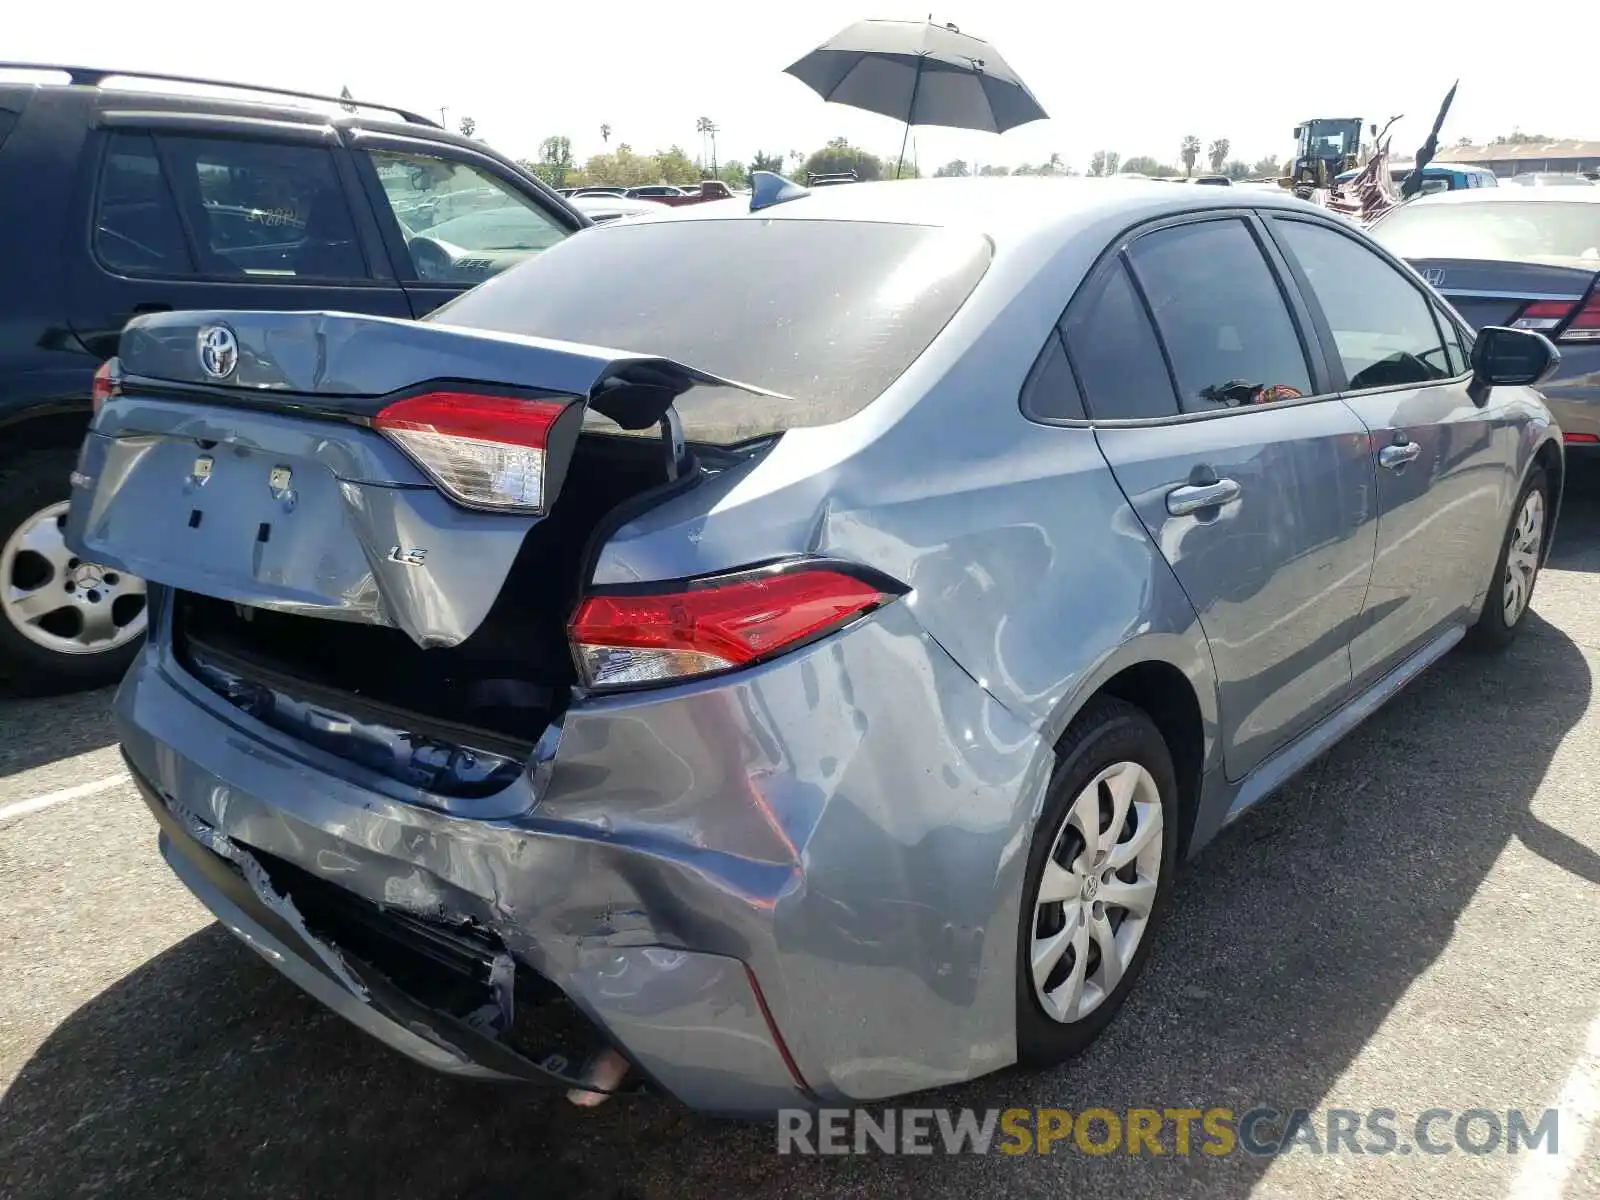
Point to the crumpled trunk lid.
(245, 466)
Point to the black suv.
(133, 199)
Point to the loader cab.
(1324, 147)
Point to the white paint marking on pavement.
(1543, 1175)
(35, 803)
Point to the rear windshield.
(828, 313)
(1501, 229)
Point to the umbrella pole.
(911, 113)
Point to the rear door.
(190, 212)
(1438, 453)
(1218, 418)
(451, 218)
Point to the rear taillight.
(1580, 439)
(106, 378)
(716, 624)
(1563, 320)
(482, 450)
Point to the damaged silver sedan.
(779, 652)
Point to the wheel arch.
(1171, 679)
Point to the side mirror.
(1510, 358)
(1374, 128)
(1297, 130)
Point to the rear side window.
(1221, 315)
(265, 209)
(1382, 324)
(1050, 393)
(826, 313)
(1115, 351)
(136, 229)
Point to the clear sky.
(1131, 77)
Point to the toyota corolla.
(803, 692)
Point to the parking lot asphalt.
(1413, 923)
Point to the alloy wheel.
(1096, 892)
(60, 602)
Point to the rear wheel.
(65, 624)
(1517, 568)
(1099, 877)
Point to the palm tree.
(1054, 164)
(1217, 152)
(1189, 152)
(605, 134)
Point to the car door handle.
(1395, 457)
(1195, 496)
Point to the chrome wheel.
(59, 602)
(1096, 891)
(1522, 558)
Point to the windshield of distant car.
(826, 312)
(1512, 229)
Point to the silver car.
(782, 656)
(1524, 257)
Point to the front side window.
(460, 223)
(136, 226)
(1221, 315)
(265, 210)
(1382, 324)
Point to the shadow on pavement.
(35, 731)
(1293, 938)
(1577, 544)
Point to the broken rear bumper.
(799, 883)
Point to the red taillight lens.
(1563, 320)
(1543, 315)
(1585, 325)
(626, 640)
(1581, 439)
(484, 451)
(105, 384)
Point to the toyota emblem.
(219, 351)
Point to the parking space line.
(37, 803)
(1543, 1176)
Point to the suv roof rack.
(95, 76)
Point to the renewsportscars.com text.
(1261, 1131)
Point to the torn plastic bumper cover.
(232, 882)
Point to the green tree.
(1517, 138)
(1148, 164)
(555, 161)
(605, 135)
(1217, 153)
(1237, 170)
(468, 127)
(1113, 161)
(956, 168)
(1097, 163)
(733, 173)
(839, 155)
(1189, 152)
(767, 162)
(1267, 168)
(993, 169)
(673, 165)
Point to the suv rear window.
(826, 312)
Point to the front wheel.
(65, 624)
(1517, 568)
(1099, 877)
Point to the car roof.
(1004, 208)
(1515, 195)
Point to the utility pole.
(442, 120)
(712, 130)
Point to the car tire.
(1516, 568)
(30, 486)
(1112, 749)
